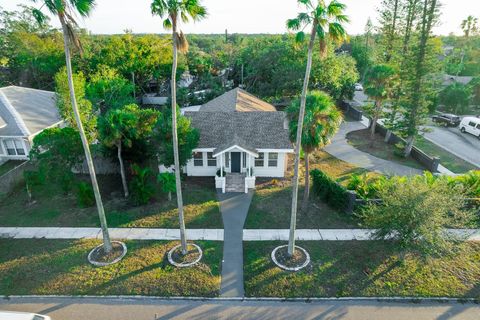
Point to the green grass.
(9, 165)
(362, 268)
(43, 267)
(271, 203)
(361, 140)
(448, 160)
(54, 208)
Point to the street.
(154, 309)
(464, 146)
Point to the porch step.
(234, 182)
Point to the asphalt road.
(151, 309)
(465, 146)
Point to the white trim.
(16, 116)
(235, 147)
(204, 150)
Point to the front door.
(235, 161)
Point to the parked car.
(12, 315)
(358, 87)
(470, 125)
(447, 119)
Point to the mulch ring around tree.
(178, 259)
(100, 258)
(299, 260)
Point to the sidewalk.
(204, 234)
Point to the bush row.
(329, 190)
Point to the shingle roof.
(237, 100)
(253, 130)
(26, 111)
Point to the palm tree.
(322, 121)
(326, 23)
(65, 10)
(172, 11)
(378, 86)
(470, 26)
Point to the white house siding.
(264, 171)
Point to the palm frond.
(159, 8)
(83, 7)
(167, 24)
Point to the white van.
(11, 315)
(470, 125)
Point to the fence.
(102, 166)
(13, 178)
(350, 111)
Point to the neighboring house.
(449, 79)
(24, 113)
(239, 132)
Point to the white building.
(24, 113)
(241, 137)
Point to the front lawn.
(271, 203)
(54, 208)
(45, 267)
(362, 268)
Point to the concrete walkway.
(340, 149)
(234, 208)
(230, 204)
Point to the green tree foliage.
(416, 211)
(141, 186)
(64, 104)
(167, 181)
(456, 98)
(187, 138)
(109, 90)
(120, 127)
(58, 151)
(475, 87)
(85, 196)
(379, 86)
(322, 121)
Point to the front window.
(211, 161)
(259, 162)
(272, 159)
(198, 159)
(14, 147)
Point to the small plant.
(85, 196)
(223, 173)
(168, 183)
(399, 150)
(141, 188)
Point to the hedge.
(328, 190)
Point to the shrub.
(399, 150)
(218, 173)
(85, 196)
(329, 190)
(417, 210)
(168, 183)
(140, 187)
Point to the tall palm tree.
(172, 11)
(470, 26)
(321, 123)
(326, 22)
(66, 10)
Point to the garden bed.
(44, 267)
(55, 209)
(363, 269)
(360, 139)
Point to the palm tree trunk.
(298, 145)
(175, 143)
(107, 244)
(122, 169)
(306, 193)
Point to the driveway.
(464, 146)
(157, 309)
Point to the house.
(24, 113)
(241, 138)
(449, 79)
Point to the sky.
(243, 16)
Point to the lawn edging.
(273, 299)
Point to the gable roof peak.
(237, 100)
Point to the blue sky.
(244, 16)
